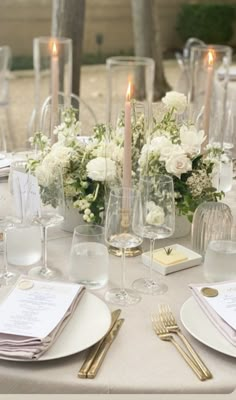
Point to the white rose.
(178, 164)
(155, 214)
(167, 151)
(191, 139)
(175, 100)
(101, 169)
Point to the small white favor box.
(192, 260)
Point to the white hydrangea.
(101, 169)
(175, 100)
(44, 175)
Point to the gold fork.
(168, 319)
(163, 334)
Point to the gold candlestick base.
(133, 252)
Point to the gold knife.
(94, 349)
(104, 349)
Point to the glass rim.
(163, 178)
(87, 226)
(213, 243)
(129, 60)
(220, 48)
(119, 191)
(48, 39)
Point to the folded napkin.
(33, 308)
(221, 309)
(4, 167)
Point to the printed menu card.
(218, 301)
(33, 315)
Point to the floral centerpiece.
(175, 149)
(89, 164)
(85, 169)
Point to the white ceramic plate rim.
(90, 322)
(200, 327)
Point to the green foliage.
(212, 23)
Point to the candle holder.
(53, 78)
(209, 72)
(130, 93)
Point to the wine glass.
(119, 233)
(47, 212)
(6, 277)
(154, 219)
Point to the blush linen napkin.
(17, 347)
(223, 327)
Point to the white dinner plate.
(90, 322)
(200, 327)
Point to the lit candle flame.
(128, 93)
(54, 49)
(210, 57)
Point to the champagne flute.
(119, 233)
(49, 212)
(154, 219)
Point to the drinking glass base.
(149, 286)
(7, 279)
(122, 297)
(44, 273)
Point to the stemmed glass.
(119, 233)
(6, 277)
(47, 213)
(154, 219)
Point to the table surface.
(137, 362)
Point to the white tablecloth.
(137, 362)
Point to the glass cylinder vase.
(209, 72)
(53, 78)
(130, 92)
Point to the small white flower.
(175, 100)
(178, 164)
(155, 214)
(101, 169)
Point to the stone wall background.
(22, 20)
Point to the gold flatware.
(104, 349)
(95, 348)
(168, 319)
(163, 334)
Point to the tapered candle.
(207, 110)
(54, 88)
(127, 163)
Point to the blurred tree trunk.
(147, 42)
(68, 21)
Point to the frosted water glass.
(89, 258)
(89, 264)
(24, 245)
(211, 221)
(220, 261)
